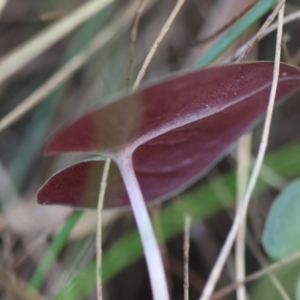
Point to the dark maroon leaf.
(174, 131)
(84, 181)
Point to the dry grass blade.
(255, 249)
(244, 162)
(241, 213)
(103, 185)
(158, 40)
(287, 19)
(158, 291)
(110, 31)
(261, 31)
(28, 51)
(254, 276)
(186, 251)
(133, 38)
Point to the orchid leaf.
(174, 131)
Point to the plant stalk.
(150, 245)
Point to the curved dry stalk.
(157, 42)
(217, 269)
(48, 37)
(256, 275)
(186, 250)
(63, 74)
(243, 165)
(103, 185)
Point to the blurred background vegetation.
(28, 230)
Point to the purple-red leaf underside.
(174, 130)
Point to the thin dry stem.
(243, 166)
(133, 39)
(103, 185)
(256, 275)
(58, 78)
(261, 31)
(186, 251)
(157, 42)
(241, 213)
(48, 37)
(287, 19)
(223, 190)
(262, 261)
